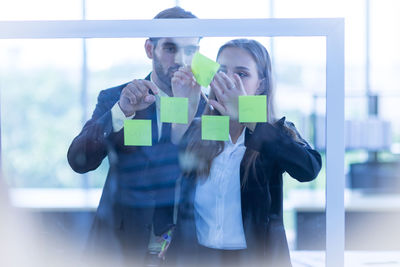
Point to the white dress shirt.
(217, 204)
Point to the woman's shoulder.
(283, 122)
(290, 129)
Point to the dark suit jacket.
(140, 186)
(261, 197)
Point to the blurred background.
(48, 89)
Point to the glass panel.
(40, 108)
(112, 62)
(300, 69)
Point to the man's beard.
(165, 78)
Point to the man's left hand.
(184, 84)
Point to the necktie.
(165, 132)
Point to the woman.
(230, 209)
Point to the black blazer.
(140, 184)
(261, 196)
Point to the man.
(138, 195)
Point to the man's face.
(170, 54)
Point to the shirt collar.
(160, 92)
(240, 140)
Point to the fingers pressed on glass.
(150, 85)
(239, 83)
(217, 90)
(218, 80)
(229, 83)
(130, 96)
(142, 88)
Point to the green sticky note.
(204, 69)
(137, 132)
(174, 109)
(253, 108)
(215, 128)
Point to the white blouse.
(217, 204)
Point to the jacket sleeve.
(292, 154)
(89, 148)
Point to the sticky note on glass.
(137, 132)
(174, 109)
(204, 69)
(215, 128)
(253, 108)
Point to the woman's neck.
(235, 130)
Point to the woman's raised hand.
(227, 92)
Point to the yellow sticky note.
(174, 109)
(204, 69)
(215, 128)
(253, 108)
(137, 132)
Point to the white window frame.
(331, 28)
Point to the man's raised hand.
(136, 96)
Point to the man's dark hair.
(175, 13)
(172, 13)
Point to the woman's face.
(236, 60)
